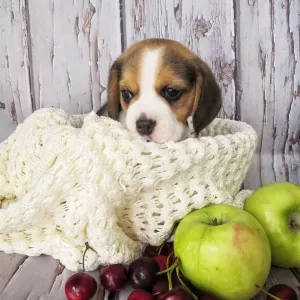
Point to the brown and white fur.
(156, 85)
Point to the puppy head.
(159, 83)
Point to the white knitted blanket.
(70, 179)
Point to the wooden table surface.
(43, 278)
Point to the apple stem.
(183, 284)
(214, 221)
(267, 293)
(295, 226)
(176, 263)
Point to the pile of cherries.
(155, 275)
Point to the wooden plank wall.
(58, 53)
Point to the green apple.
(277, 207)
(224, 251)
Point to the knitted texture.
(70, 179)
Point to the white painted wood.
(41, 277)
(35, 276)
(73, 45)
(123, 295)
(7, 122)
(290, 14)
(15, 99)
(9, 266)
(268, 86)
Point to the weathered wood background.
(58, 53)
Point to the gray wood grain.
(9, 266)
(268, 80)
(41, 277)
(34, 277)
(73, 45)
(15, 99)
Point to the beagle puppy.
(156, 85)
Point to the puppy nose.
(145, 127)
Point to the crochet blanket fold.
(70, 179)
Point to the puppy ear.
(208, 101)
(113, 90)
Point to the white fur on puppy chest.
(151, 105)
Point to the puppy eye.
(126, 95)
(171, 94)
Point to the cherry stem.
(267, 293)
(176, 263)
(168, 259)
(168, 274)
(87, 247)
(183, 284)
(160, 248)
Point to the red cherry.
(167, 249)
(283, 292)
(142, 272)
(176, 282)
(114, 277)
(151, 251)
(140, 295)
(160, 287)
(175, 294)
(162, 261)
(80, 286)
